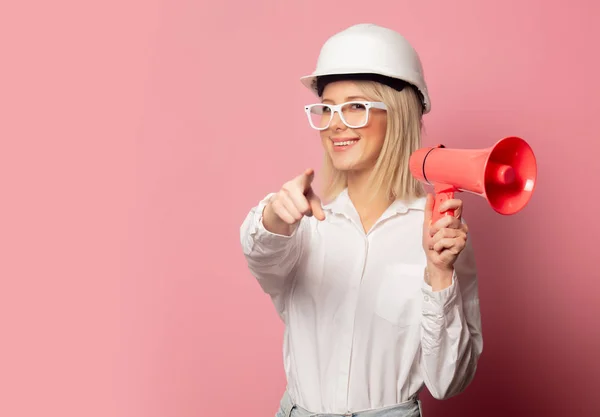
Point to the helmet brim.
(310, 82)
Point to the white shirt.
(362, 328)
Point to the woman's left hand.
(444, 240)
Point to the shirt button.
(426, 299)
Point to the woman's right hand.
(295, 200)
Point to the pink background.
(136, 135)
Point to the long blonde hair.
(403, 136)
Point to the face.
(352, 149)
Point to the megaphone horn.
(504, 174)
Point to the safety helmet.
(367, 48)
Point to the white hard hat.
(370, 49)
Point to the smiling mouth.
(344, 143)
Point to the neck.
(366, 203)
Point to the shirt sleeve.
(451, 338)
(271, 257)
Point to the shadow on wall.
(528, 363)
(500, 387)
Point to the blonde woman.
(377, 301)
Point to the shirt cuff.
(439, 302)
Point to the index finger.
(452, 204)
(306, 178)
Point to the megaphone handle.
(442, 193)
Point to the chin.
(352, 160)
(347, 164)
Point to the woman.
(376, 300)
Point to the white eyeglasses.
(354, 114)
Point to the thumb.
(428, 212)
(315, 205)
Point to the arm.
(271, 256)
(451, 340)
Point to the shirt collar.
(343, 205)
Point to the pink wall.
(135, 135)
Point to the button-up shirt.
(363, 329)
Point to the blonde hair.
(403, 136)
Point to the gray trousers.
(288, 408)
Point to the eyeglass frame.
(338, 108)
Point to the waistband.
(288, 408)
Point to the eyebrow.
(349, 98)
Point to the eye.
(358, 106)
(320, 109)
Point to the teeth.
(345, 143)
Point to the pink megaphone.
(505, 174)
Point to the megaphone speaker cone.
(504, 174)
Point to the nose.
(336, 122)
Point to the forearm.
(450, 346)
(271, 257)
(438, 279)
